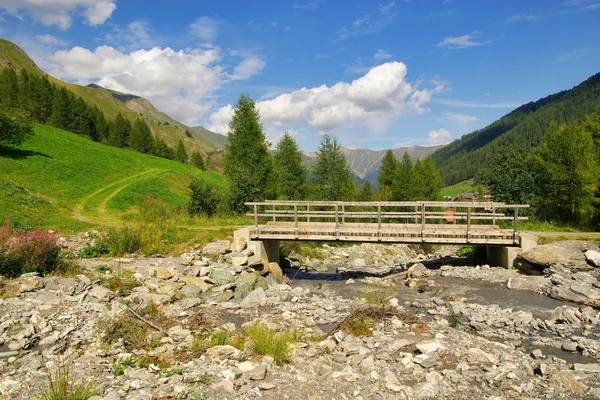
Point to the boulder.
(101, 293)
(593, 257)
(243, 286)
(568, 254)
(275, 270)
(256, 298)
(162, 273)
(215, 249)
(417, 270)
(238, 244)
(221, 276)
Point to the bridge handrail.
(446, 204)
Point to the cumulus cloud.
(204, 28)
(60, 12)
(370, 23)
(437, 137)
(462, 42)
(373, 99)
(180, 83)
(462, 119)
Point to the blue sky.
(375, 74)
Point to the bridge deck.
(389, 233)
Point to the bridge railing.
(414, 213)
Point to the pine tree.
(247, 162)
(431, 180)
(388, 170)
(197, 160)
(140, 138)
(181, 153)
(366, 192)
(119, 131)
(403, 186)
(290, 173)
(332, 179)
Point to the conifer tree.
(247, 162)
(403, 186)
(140, 138)
(119, 131)
(366, 192)
(180, 153)
(332, 179)
(290, 173)
(197, 160)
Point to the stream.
(477, 292)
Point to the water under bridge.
(433, 222)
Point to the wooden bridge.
(389, 222)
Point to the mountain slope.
(365, 163)
(521, 129)
(46, 182)
(112, 102)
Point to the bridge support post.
(504, 256)
(267, 250)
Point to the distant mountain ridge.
(112, 102)
(365, 163)
(521, 129)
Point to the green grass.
(56, 175)
(467, 186)
(267, 341)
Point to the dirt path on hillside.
(79, 209)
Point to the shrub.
(123, 241)
(204, 199)
(28, 251)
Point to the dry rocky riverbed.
(380, 322)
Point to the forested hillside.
(521, 129)
(112, 103)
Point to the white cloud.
(462, 42)
(204, 28)
(370, 23)
(180, 83)
(60, 12)
(522, 17)
(373, 100)
(50, 40)
(441, 136)
(247, 68)
(462, 119)
(219, 121)
(382, 55)
(136, 36)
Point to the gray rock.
(593, 257)
(190, 290)
(256, 298)
(258, 373)
(243, 286)
(587, 367)
(221, 276)
(215, 249)
(101, 293)
(568, 253)
(569, 345)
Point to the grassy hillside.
(60, 179)
(521, 129)
(112, 103)
(467, 186)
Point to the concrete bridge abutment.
(267, 250)
(505, 256)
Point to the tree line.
(560, 178)
(27, 97)
(523, 129)
(255, 173)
